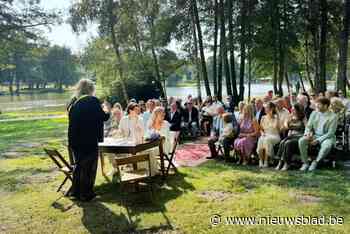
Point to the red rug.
(191, 155)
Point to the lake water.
(256, 90)
(29, 101)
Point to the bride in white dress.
(158, 125)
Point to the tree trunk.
(11, 86)
(156, 63)
(315, 31)
(117, 51)
(195, 59)
(307, 64)
(281, 69)
(232, 53)
(156, 67)
(220, 75)
(274, 20)
(201, 48)
(343, 49)
(323, 45)
(242, 49)
(223, 48)
(249, 73)
(287, 81)
(216, 28)
(281, 56)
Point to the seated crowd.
(273, 128)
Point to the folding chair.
(135, 175)
(63, 166)
(171, 155)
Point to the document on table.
(108, 141)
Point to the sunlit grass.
(34, 112)
(28, 198)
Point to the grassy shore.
(184, 204)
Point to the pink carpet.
(191, 155)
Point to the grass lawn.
(34, 112)
(183, 204)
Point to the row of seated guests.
(265, 125)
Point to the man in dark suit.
(191, 119)
(173, 116)
(259, 110)
(85, 130)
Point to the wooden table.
(133, 150)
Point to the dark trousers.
(287, 148)
(227, 143)
(84, 174)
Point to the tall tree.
(243, 16)
(343, 49)
(215, 48)
(201, 47)
(232, 52)
(323, 44)
(223, 48)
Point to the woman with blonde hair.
(158, 127)
(239, 113)
(249, 131)
(338, 108)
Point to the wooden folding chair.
(135, 175)
(170, 157)
(63, 166)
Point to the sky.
(62, 34)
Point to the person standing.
(85, 130)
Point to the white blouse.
(132, 129)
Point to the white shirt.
(132, 129)
(172, 115)
(146, 116)
(257, 114)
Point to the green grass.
(15, 134)
(35, 112)
(29, 202)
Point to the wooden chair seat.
(134, 175)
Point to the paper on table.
(108, 141)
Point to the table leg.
(161, 155)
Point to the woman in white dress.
(270, 134)
(130, 128)
(157, 125)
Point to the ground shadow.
(143, 202)
(98, 218)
